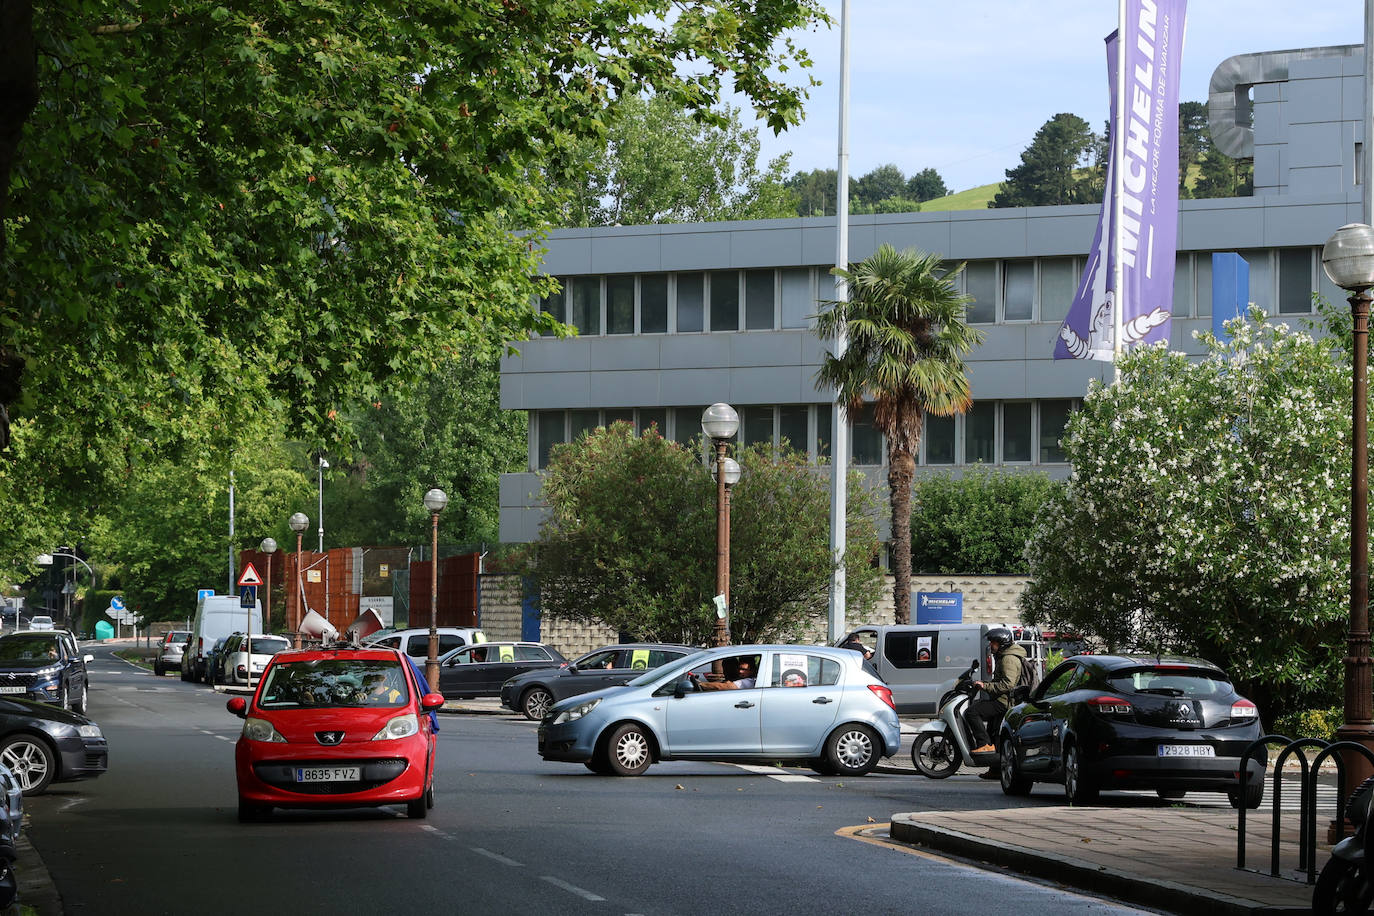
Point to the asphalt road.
(509, 834)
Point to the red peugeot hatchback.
(338, 727)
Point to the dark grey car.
(533, 692)
(47, 666)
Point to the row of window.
(991, 432)
(1004, 292)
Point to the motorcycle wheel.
(1341, 888)
(935, 756)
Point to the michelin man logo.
(1099, 342)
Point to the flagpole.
(1116, 147)
(839, 427)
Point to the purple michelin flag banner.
(1147, 240)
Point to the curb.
(1076, 873)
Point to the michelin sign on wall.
(939, 607)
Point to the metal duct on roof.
(1229, 106)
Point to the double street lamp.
(720, 423)
(298, 522)
(435, 500)
(45, 559)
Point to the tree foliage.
(1057, 167)
(659, 164)
(883, 190)
(975, 524)
(907, 338)
(1208, 512)
(1222, 176)
(631, 540)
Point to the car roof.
(1132, 660)
(643, 645)
(360, 653)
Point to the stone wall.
(500, 612)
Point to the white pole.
(1117, 149)
(233, 578)
(839, 431)
(1367, 167)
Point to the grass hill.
(972, 199)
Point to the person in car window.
(744, 678)
(997, 693)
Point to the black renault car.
(533, 692)
(1168, 723)
(47, 666)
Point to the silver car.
(811, 704)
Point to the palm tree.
(904, 320)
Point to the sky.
(963, 87)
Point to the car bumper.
(81, 758)
(508, 697)
(391, 772)
(572, 742)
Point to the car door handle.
(822, 700)
(743, 704)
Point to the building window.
(653, 418)
(554, 305)
(980, 282)
(623, 415)
(760, 299)
(620, 305)
(653, 304)
(687, 424)
(1202, 267)
(724, 300)
(584, 309)
(1058, 283)
(582, 421)
(690, 302)
(825, 420)
(939, 439)
(798, 301)
(865, 442)
(1295, 281)
(756, 425)
(550, 430)
(1018, 290)
(792, 426)
(1016, 431)
(980, 433)
(1054, 416)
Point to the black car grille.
(17, 679)
(374, 773)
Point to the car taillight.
(1110, 706)
(884, 693)
(1244, 709)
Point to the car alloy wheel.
(82, 701)
(852, 750)
(1013, 782)
(536, 703)
(1077, 786)
(628, 751)
(31, 761)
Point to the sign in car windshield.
(939, 607)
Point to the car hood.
(299, 726)
(602, 694)
(14, 706)
(29, 664)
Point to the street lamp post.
(45, 559)
(323, 464)
(298, 522)
(435, 500)
(1348, 259)
(269, 547)
(720, 423)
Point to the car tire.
(852, 750)
(429, 797)
(535, 703)
(934, 755)
(417, 809)
(1014, 782)
(598, 765)
(1079, 788)
(1254, 795)
(822, 766)
(31, 760)
(628, 752)
(83, 700)
(250, 813)
(158, 670)
(66, 702)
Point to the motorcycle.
(942, 745)
(1344, 885)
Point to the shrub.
(1310, 723)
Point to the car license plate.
(327, 774)
(9, 689)
(1186, 750)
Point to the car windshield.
(28, 649)
(269, 646)
(1172, 682)
(333, 682)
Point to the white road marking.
(495, 857)
(571, 888)
(777, 773)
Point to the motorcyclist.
(981, 714)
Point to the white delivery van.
(216, 616)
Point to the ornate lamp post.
(298, 522)
(269, 547)
(323, 464)
(720, 423)
(435, 500)
(1348, 259)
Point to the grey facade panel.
(929, 235)
(547, 354)
(1352, 97)
(624, 388)
(1317, 96)
(568, 252)
(1315, 146)
(765, 247)
(770, 385)
(818, 243)
(512, 390)
(689, 387)
(625, 352)
(693, 351)
(696, 250)
(1315, 180)
(626, 254)
(767, 348)
(549, 390)
(1061, 233)
(1000, 342)
(1289, 225)
(998, 379)
(990, 234)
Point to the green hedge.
(1310, 723)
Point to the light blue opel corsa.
(811, 704)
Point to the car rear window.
(270, 646)
(334, 682)
(1172, 682)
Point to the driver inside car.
(746, 668)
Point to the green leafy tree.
(978, 523)
(1222, 176)
(882, 183)
(907, 339)
(219, 211)
(888, 205)
(926, 185)
(1194, 141)
(659, 164)
(1208, 513)
(631, 536)
(815, 191)
(1052, 168)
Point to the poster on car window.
(923, 650)
(793, 670)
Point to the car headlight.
(261, 730)
(47, 672)
(89, 731)
(399, 727)
(576, 712)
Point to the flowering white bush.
(1209, 511)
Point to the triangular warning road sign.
(249, 576)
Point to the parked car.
(42, 744)
(231, 661)
(480, 670)
(11, 823)
(533, 692)
(1168, 723)
(336, 727)
(216, 616)
(837, 718)
(170, 651)
(212, 661)
(40, 622)
(46, 666)
(415, 641)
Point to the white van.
(922, 662)
(216, 616)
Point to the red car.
(337, 727)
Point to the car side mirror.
(88, 658)
(238, 706)
(572, 669)
(431, 701)
(682, 688)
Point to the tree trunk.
(901, 470)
